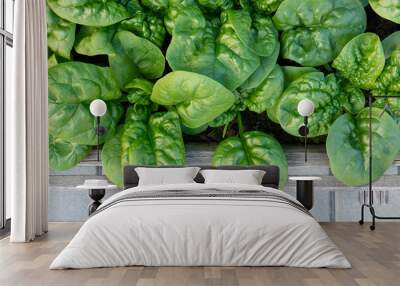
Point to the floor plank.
(375, 257)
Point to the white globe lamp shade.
(98, 107)
(305, 107)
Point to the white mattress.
(200, 231)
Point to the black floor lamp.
(370, 203)
(305, 108)
(98, 108)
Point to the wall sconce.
(305, 109)
(98, 108)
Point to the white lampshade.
(98, 107)
(305, 107)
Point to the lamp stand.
(305, 138)
(303, 131)
(100, 130)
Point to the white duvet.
(200, 231)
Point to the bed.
(199, 224)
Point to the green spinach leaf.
(144, 23)
(98, 13)
(92, 41)
(197, 98)
(391, 106)
(391, 43)
(65, 155)
(387, 9)
(388, 82)
(266, 6)
(252, 148)
(267, 93)
(347, 146)
(314, 31)
(60, 35)
(135, 57)
(323, 91)
(72, 86)
(139, 91)
(227, 51)
(145, 139)
(266, 66)
(361, 61)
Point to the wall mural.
(173, 69)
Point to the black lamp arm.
(305, 137)
(303, 131)
(100, 131)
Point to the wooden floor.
(375, 257)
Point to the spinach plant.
(169, 69)
(252, 148)
(347, 146)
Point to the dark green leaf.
(155, 5)
(97, 13)
(72, 86)
(65, 155)
(252, 148)
(52, 61)
(145, 139)
(292, 73)
(348, 149)
(266, 66)
(391, 43)
(198, 99)
(315, 31)
(388, 9)
(353, 99)
(60, 35)
(225, 117)
(266, 6)
(73, 122)
(178, 8)
(193, 131)
(325, 92)
(266, 95)
(76, 82)
(93, 41)
(135, 57)
(211, 48)
(111, 158)
(257, 32)
(388, 82)
(145, 25)
(391, 106)
(139, 91)
(216, 5)
(361, 60)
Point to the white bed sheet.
(200, 232)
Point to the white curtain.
(26, 124)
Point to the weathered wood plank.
(68, 204)
(375, 258)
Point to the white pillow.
(166, 176)
(247, 177)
